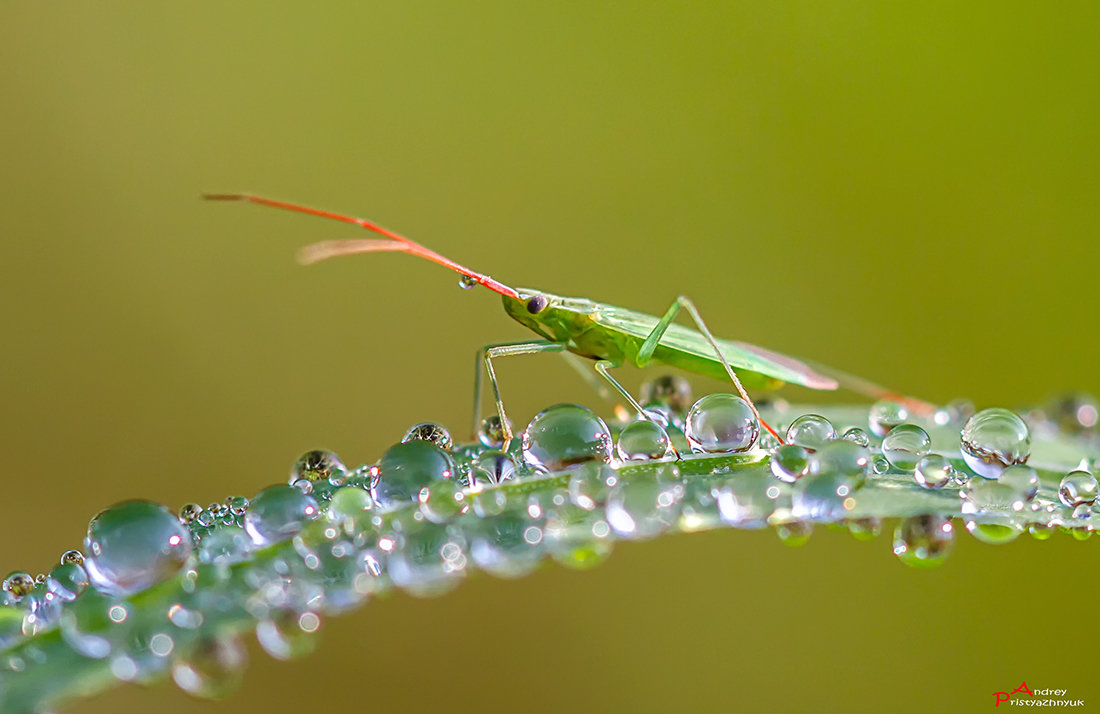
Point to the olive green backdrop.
(909, 193)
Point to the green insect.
(611, 336)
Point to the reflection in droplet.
(566, 435)
(994, 439)
(721, 423)
(924, 541)
(134, 545)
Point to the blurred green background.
(908, 192)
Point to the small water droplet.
(811, 431)
(406, 468)
(884, 416)
(189, 512)
(491, 432)
(466, 282)
(924, 541)
(566, 435)
(1078, 487)
(994, 533)
(134, 545)
(994, 439)
(492, 468)
(225, 545)
(590, 484)
(721, 423)
(432, 433)
(905, 445)
(1023, 482)
(643, 440)
(351, 503)
(318, 465)
(212, 668)
(441, 501)
(278, 513)
(933, 471)
(18, 585)
(790, 462)
(857, 436)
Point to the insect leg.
(487, 354)
(650, 346)
(602, 366)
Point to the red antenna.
(334, 248)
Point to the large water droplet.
(994, 439)
(721, 423)
(933, 471)
(225, 545)
(134, 545)
(408, 467)
(810, 431)
(1023, 481)
(643, 440)
(746, 500)
(646, 505)
(565, 435)
(884, 416)
(18, 585)
(441, 501)
(1076, 488)
(590, 484)
(790, 462)
(212, 668)
(510, 544)
(997, 500)
(427, 558)
(278, 513)
(924, 541)
(905, 445)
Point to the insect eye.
(537, 304)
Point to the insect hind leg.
(645, 353)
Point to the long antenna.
(335, 248)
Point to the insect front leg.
(645, 353)
(485, 356)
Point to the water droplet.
(795, 533)
(575, 537)
(746, 500)
(491, 432)
(721, 423)
(509, 545)
(18, 585)
(278, 513)
(670, 390)
(212, 668)
(857, 436)
(810, 431)
(72, 556)
(1023, 481)
(406, 468)
(933, 471)
(1076, 488)
(989, 498)
(590, 484)
(905, 445)
(189, 512)
(884, 416)
(225, 546)
(880, 464)
(865, 529)
(643, 440)
(441, 501)
(427, 558)
(237, 505)
(287, 634)
(67, 581)
(844, 458)
(351, 503)
(924, 541)
(994, 439)
(318, 465)
(825, 497)
(790, 462)
(1083, 512)
(492, 468)
(644, 506)
(134, 545)
(566, 435)
(432, 433)
(994, 533)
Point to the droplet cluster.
(155, 592)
